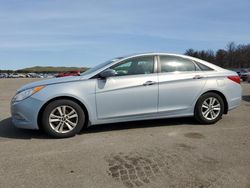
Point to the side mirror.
(107, 73)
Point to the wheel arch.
(221, 95)
(58, 98)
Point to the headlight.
(26, 93)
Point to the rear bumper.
(234, 96)
(234, 103)
(25, 113)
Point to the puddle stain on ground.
(194, 135)
(185, 147)
(136, 169)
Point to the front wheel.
(209, 108)
(63, 118)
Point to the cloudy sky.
(85, 33)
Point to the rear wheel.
(209, 108)
(63, 118)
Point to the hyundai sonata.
(137, 87)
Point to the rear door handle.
(148, 83)
(198, 77)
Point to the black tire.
(198, 108)
(52, 106)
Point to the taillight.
(234, 78)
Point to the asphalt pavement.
(157, 153)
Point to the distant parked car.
(13, 75)
(138, 87)
(69, 73)
(48, 76)
(40, 76)
(21, 75)
(244, 74)
(32, 75)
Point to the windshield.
(91, 70)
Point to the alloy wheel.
(63, 119)
(211, 108)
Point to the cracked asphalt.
(156, 153)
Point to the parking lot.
(155, 153)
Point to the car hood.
(52, 81)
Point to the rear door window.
(203, 67)
(176, 64)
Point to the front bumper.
(25, 113)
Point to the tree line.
(233, 56)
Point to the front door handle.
(148, 83)
(198, 77)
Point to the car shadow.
(246, 98)
(140, 124)
(7, 129)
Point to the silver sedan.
(137, 87)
